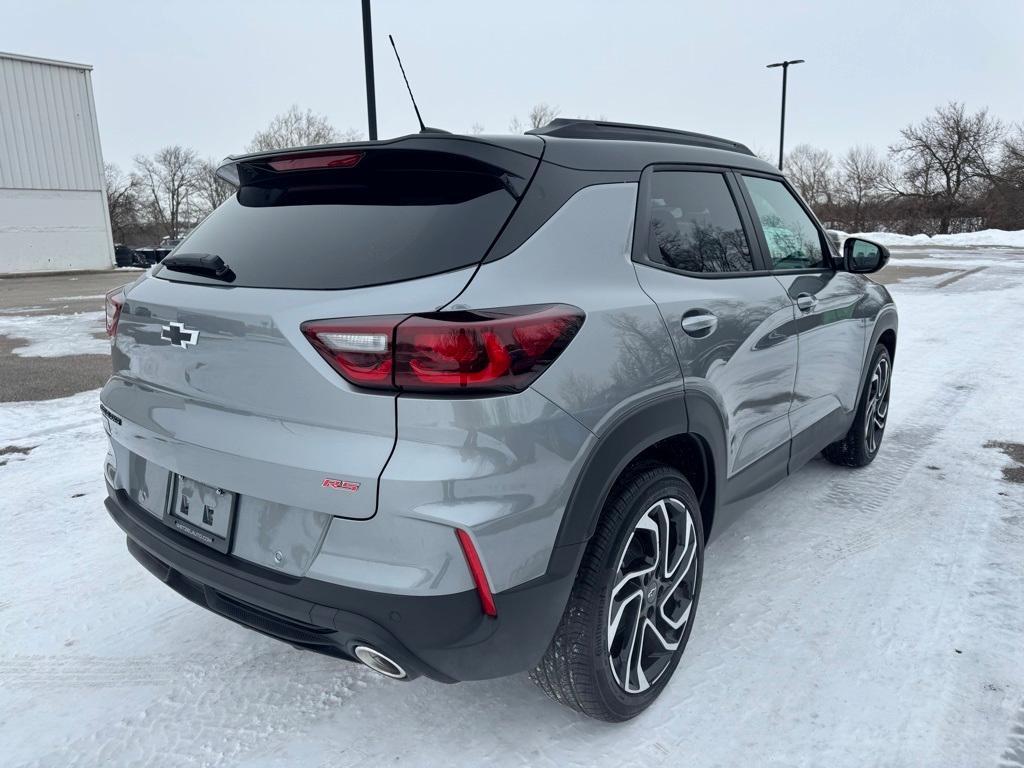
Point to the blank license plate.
(202, 512)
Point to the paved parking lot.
(34, 377)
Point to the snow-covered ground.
(850, 618)
(82, 333)
(985, 238)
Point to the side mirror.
(863, 255)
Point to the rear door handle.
(806, 302)
(699, 324)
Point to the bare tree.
(861, 171)
(477, 129)
(168, 182)
(945, 159)
(812, 172)
(122, 201)
(763, 154)
(296, 128)
(542, 114)
(1004, 201)
(211, 190)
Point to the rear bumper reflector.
(476, 569)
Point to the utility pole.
(782, 121)
(371, 97)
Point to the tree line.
(169, 192)
(954, 171)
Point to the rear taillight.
(115, 300)
(494, 350)
(359, 349)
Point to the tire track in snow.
(1013, 757)
(861, 498)
(67, 671)
(217, 711)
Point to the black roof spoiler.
(516, 154)
(569, 128)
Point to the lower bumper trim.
(446, 638)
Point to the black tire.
(577, 668)
(860, 446)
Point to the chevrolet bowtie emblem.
(179, 335)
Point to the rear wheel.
(860, 445)
(631, 609)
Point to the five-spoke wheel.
(878, 403)
(652, 595)
(859, 446)
(634, 600)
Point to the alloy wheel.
(652, 594)
(878, 404)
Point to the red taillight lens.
(476, 570)
(359, 349)
(322, 160)
(115, 300)
(495, 350)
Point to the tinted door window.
(794, 242)
(694, 224)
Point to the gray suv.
(465, 406)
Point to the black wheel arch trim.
(656, 419)
(886, 320)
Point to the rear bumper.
(444, 637)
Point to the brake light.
(114, 302)
(322, 160)
(476, 570)
(494, 350)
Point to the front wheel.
(860, 445)
(631, 609)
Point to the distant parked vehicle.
(150, 255)
(125, 256)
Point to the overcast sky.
(210, 74)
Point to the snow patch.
(985, 237)
(57, 335)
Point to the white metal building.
(53, 211)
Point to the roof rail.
(571, 128)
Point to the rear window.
(398, 215)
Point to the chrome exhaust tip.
(379, 663)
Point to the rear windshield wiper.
(204, 264)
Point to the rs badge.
(340, 485)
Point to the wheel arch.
(884, 332)
(681, 430)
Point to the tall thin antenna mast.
(371, 97)
(423, 128)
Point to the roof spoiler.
(519, 159)
(570, 128)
